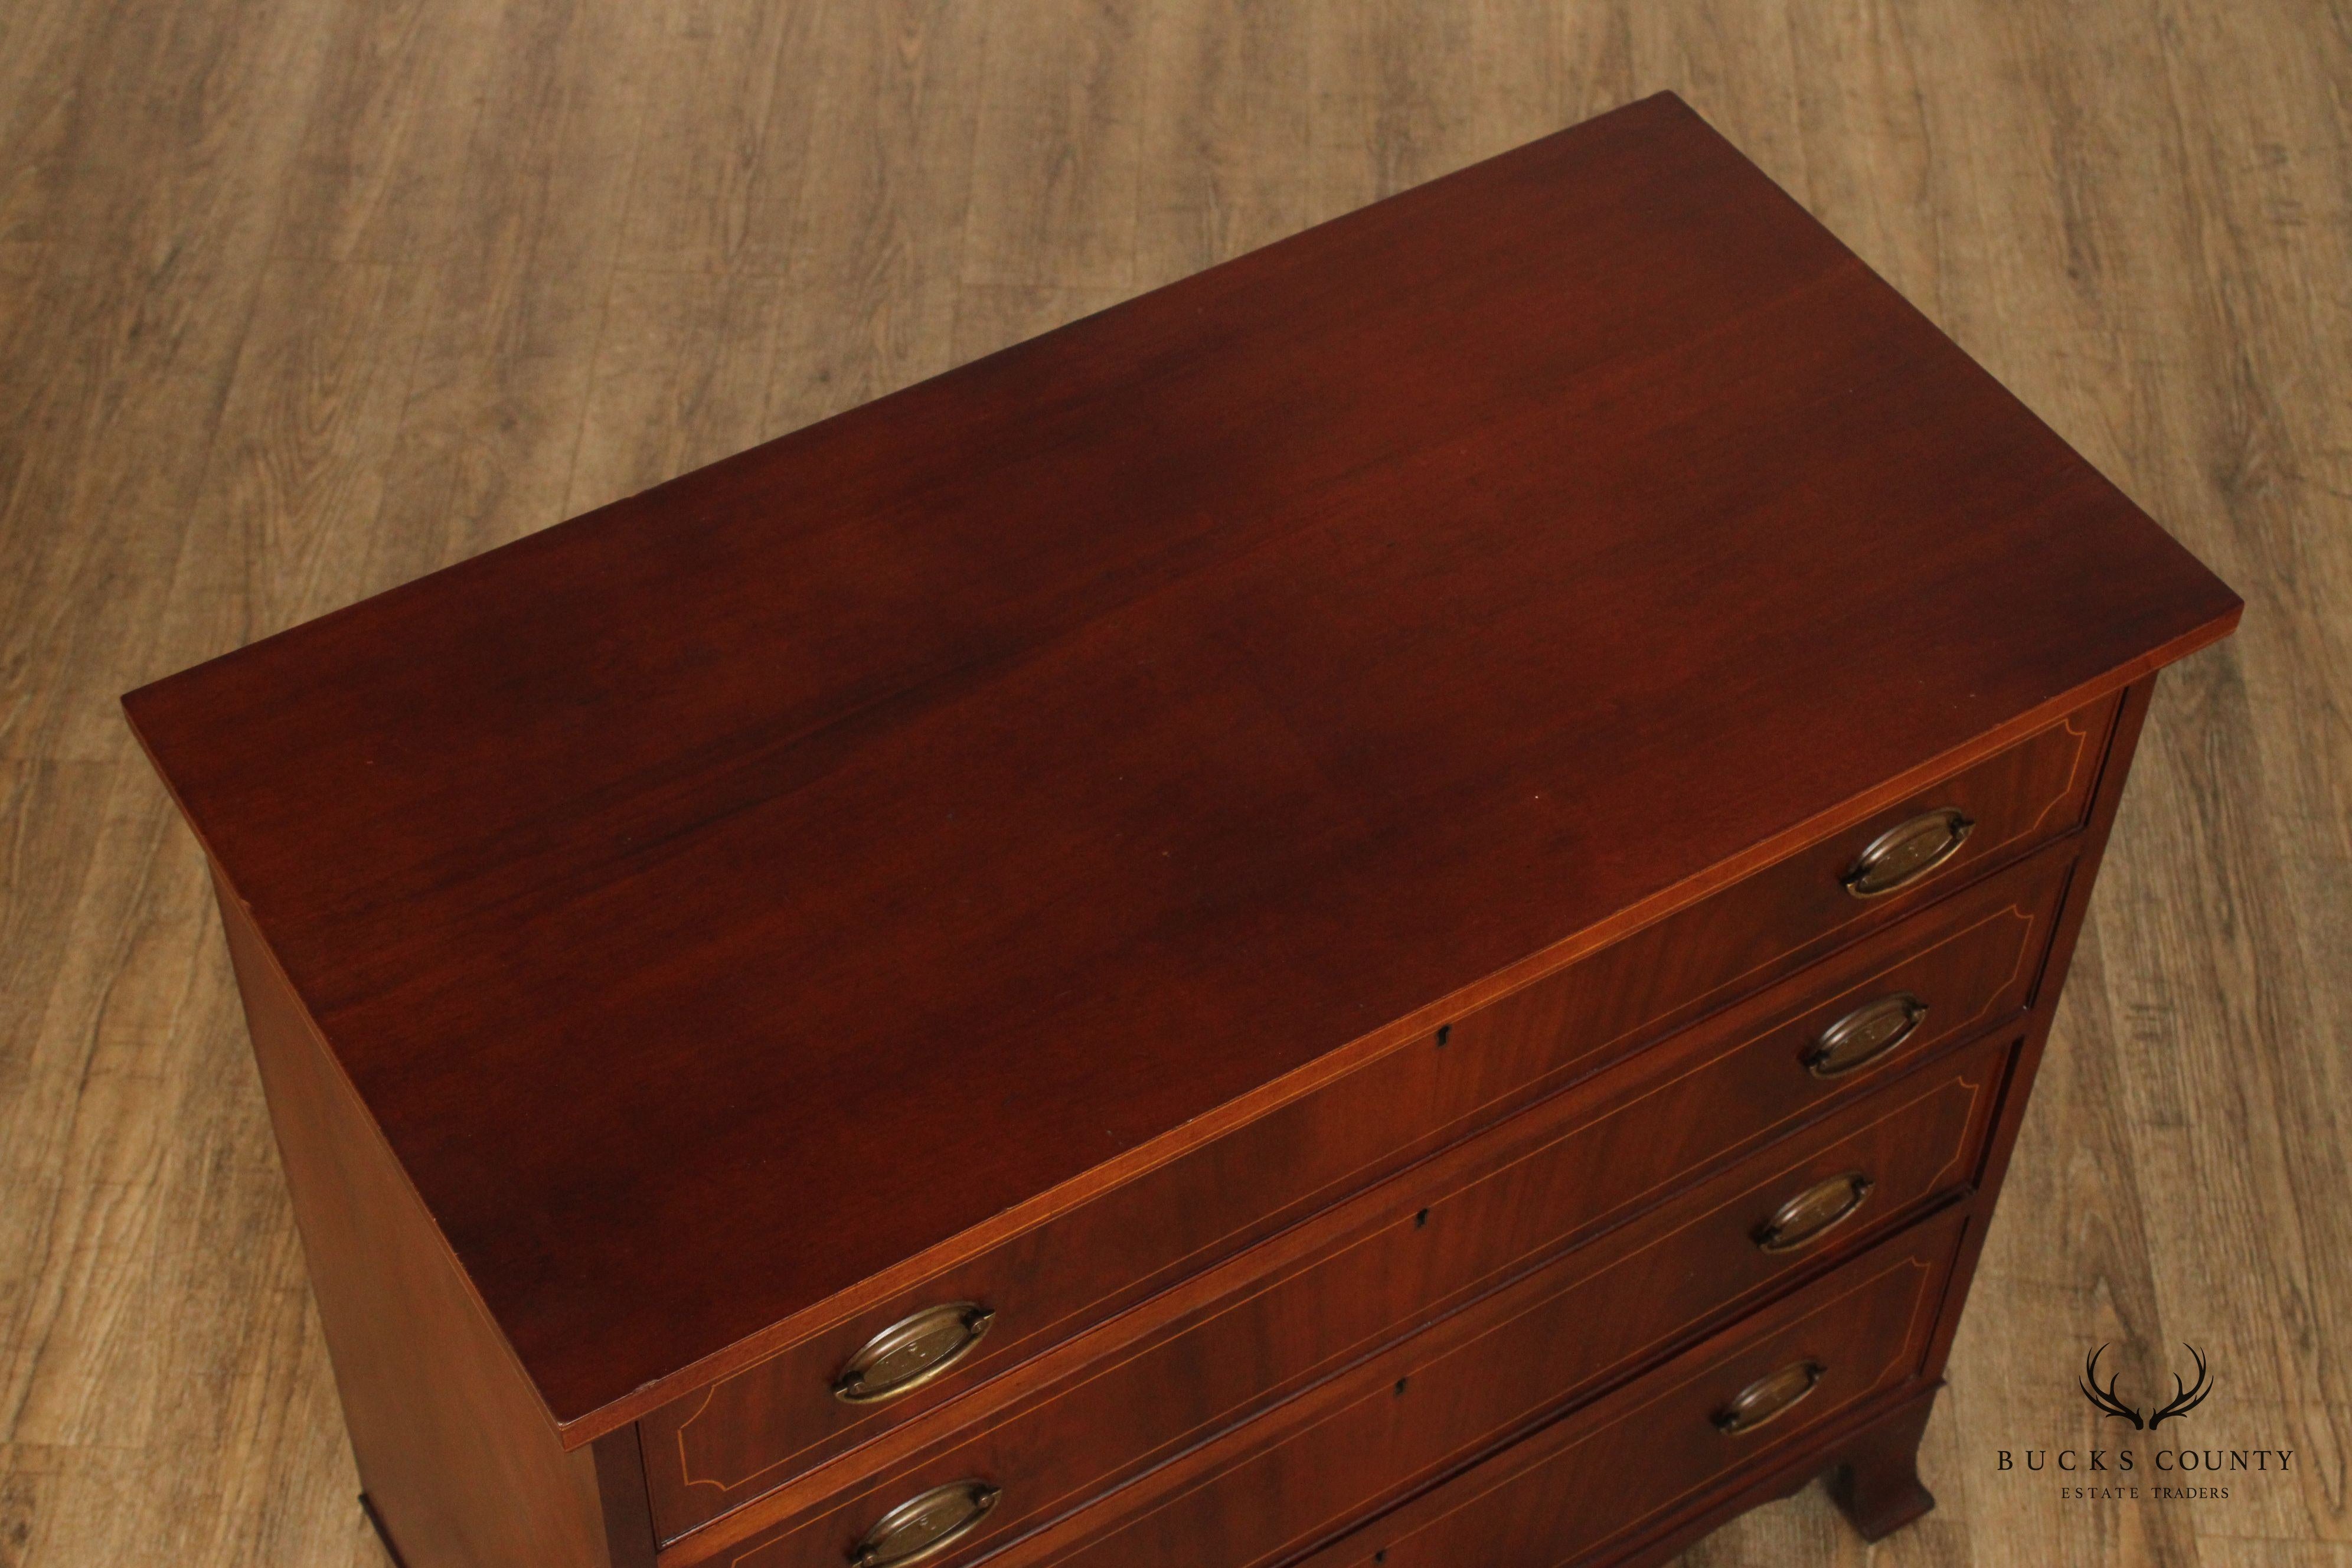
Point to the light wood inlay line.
(1734, 1210)
(1905, 1351)
(2027, 953)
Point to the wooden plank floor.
(301, 297)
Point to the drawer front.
(715, 1450)
(1625, 1469)
(1868, 1326)
(1788, 1207)
(1714, 950)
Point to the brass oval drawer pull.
(1907, 851)
(1768, 1398)
(1864, 1035)
(912, 1352)
(1813, 1213)
(925, 1525)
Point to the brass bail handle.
(912, 1352)
(1768, 1398)
(1908, 851)
(1813, 1214)
(925, 1525)
(1864, 1035)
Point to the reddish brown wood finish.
(1692, 1259)
(1876, 1482)
(1864, 1433)
(1623, 1463)
(460, 1461)
(1667, 974)
(2104, 804)
(1871, 1460)
(628, 1509)
(743, 902)
(1605, 1470)
(1974, 959)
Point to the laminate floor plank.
(1227, 136)
(871, 275)
(182, 133)
(679, 380)
(299, 298)
(2279, 1554)
(45, 55)
(380, 167)
(1392, 85)
(299, 466)
(1057, 147)
(498, 395)
(732, 87)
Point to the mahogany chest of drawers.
(1394, 905)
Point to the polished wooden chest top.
(1060, 846)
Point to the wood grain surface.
(297, 300)
(768, 891)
